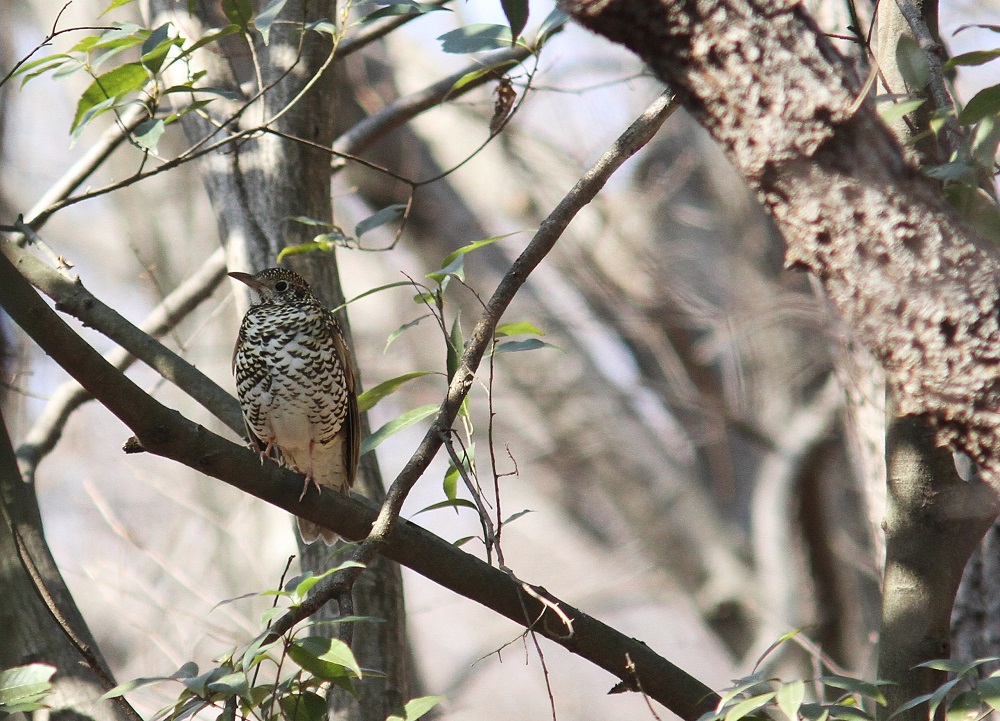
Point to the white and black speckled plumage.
(295, 383)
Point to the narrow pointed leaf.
(386, 215)
(370, 397)
(395, 426)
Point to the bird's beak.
(248, 279)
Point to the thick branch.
(165, 432)
(73, 298)
(47, 430)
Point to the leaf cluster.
(286, 678)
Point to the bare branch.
(73, 298)
(637, 135)
(48, 428)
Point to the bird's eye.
(281, 286)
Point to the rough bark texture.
(911, 282)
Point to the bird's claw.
(305, 487)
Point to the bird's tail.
(310, 532)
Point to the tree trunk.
(256, 188)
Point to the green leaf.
(476, 38)
(964, 707)
(450, 483)
(474, 245)
(985, 139)
(989, 691)
(147, 133)
(455, 267)
(462, 541)
(306, 220)
(129, 686)
(370, 397)
(519, 328)
(416, 708)
(471, 77)
(380, 288)
(115, 4)
(985, 102)
(238, 12)
(848, 712)
(231, 684)
(516, 12)
(552, 24)
(325, 658)
(912, 63)
(110, 86)
(790, 697)
(514, 516)
(955, 171)
(976, 57)
(450, 503)
(304, 584)
(934, 699)
(209, 37)
(155, 47)
(514, 346)
(401, 8)
(40, 66)
(386, 215)
(303, 706)
(23, 688)
(402, 329)
(894, 111)
(395, 426)
(744, 708)
(456, 346)
(265, 19)
(855, 685)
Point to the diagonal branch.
(637, 135)
(73, 298)
(167, 433)
(47, 430)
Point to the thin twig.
(937, 84)
(489, 537)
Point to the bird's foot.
(268, 451)
(305, 486)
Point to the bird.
(296, 386)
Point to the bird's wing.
(352, 422)
(256, 442)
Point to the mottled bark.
(911, 280)
(905, 272)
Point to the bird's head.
(275, 285)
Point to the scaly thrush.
(295, 382)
